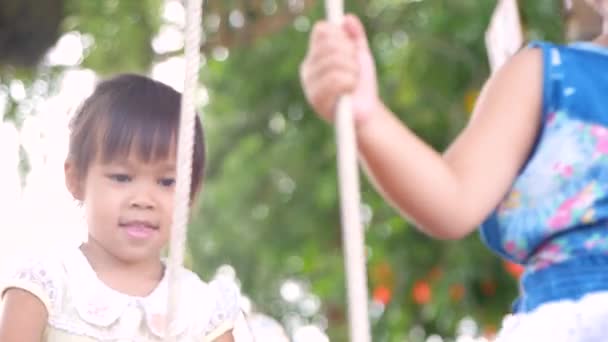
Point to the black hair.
(131, 111)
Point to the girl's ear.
(73, 180)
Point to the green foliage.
(429, 54)
(270, 206)
(121, 31)
(117, 36)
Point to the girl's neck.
(135, 279)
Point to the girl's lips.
(139, 229)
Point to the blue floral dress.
(554, 218)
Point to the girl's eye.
(167, 182)
(120, 178)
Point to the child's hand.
(339, 62)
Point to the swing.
(503, 38)
(348, 175)
(501, 44)
(504, 35)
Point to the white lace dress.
(81, 308)
(585, 320)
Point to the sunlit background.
(270, 202)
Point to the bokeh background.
(269, 214)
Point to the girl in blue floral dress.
(530, 168)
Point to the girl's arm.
(23, 317)
(447, 195)
(226, 337)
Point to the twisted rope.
(185, 147)
(353, 238)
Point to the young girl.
(531, 168)
(121, 167)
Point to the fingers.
(326, 91)
(355, 30)
(328, 39)
(330, 67)
(325, 66)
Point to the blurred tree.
(27, 29)
(270, 205)
(271, 191)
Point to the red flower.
(383, 294)
(421, 292)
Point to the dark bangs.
(142, 120)
(131, 114)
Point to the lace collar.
(102, 306)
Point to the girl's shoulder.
(566, 54)
(572, 81)
(42, 275)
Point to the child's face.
(129, 206)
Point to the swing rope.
(353, 238)
(185, 147)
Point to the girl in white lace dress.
(121, 168)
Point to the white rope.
(185, 147)
(352, 231)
